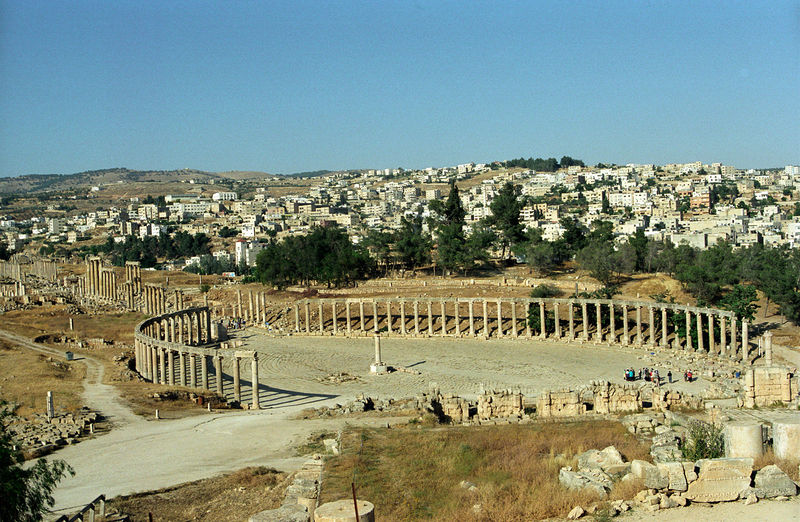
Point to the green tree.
(26, 492)
(541, 257)
(741, 300)
(379, 243)
(413, 245)
(597, 258)
(450, 221)
(506, 208)
(479, 244)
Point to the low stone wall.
(769, 385)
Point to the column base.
(378, 368)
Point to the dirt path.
(96, 395)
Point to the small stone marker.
(50, 409)
(378, 367)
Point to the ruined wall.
(612, 398)
(563, 403)
(493, 404)
(766, 386)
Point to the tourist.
(669, 376)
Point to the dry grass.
(415, 473)
(27, 376)
(55, 320)
(788, 466)
(234, 496)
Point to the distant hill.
(32, 183)
(308, 174)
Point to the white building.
(224, 196)
(247, 251)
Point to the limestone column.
(626, 339)
(598, 310)
(457, 316)
(375, 319)
(768, 349)
(652, 317)
(254, 381)
(514, 332)
(209, 337)
(712, 348)
(239, 302)
(722, 341)
(347, 316)
(542, 321)
(403, 317)
(734, 348)
(471, 319)
(296, 318)
(700, 331)
(237, 384)
(528, 306)
(361, 312)
(307, 309)
(250, 315)
(189, 327)
(745, 341)
(321, 319)
(218, 371)
(416, 317)
(485, 319)
(585, 321)
(162, 366)
(204, 371)
(153, 363)
(334, 318)
(558, 321)
(193, 370)
(664, 327)
(639, 329)
(430, 318)
(389, 316)
(688, 345)
(170, 367)
(182, 364)
(443, 327)
(571, 314)
(612, 329)
(499, 318)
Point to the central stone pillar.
(626, 338)
(734, 348)
(598, 310)
(612, 330)
(499, 318)
(403, 317)
(361, 315)
(688, 345)
(237, 384)
(347, 316)
(443, 326)
(416, 317)
(321, 319)
(182, 364)
(193, 370)
(514, 332)
(485, 319)
(585, 321)
(254, 381)
(558, 321)
(170, 367)
(712, 348)
(457, 316)
(651, 340)
(218, 371)
(162, 370)
(571, 309)
(307, 308)
(389, 316)
(745, 341)
(768, 348)
(471, 319)
(639, 329)
(542, 320)
(296, 318)
(700, 347)
(723, 342)
(664, 327)
(430, 319)
(378, 367)
(375, 316)
(334, 318)
(204, 371)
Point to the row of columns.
(98, 282)
(155, 301)
(411, 314)
(133, 275)
(161, 364)
(252, 307)
(191, 327)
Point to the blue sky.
(294, 86)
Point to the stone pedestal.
(743, 439)
(344, 511)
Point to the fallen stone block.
(772, 482)
(720, 480)
(285, 513)
(594, 481)
(576, 513)
(675, 476)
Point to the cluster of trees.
(544, 165)
(148, 250)
(325, 255)
(211, 265)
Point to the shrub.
(704, 441)
(545, 290)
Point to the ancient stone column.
(743, 440)
(471, 319)
(688, 345)
(307, 309)
(443, 328)
(734, 348)
(347, 316)
(542, 320)
(457, 316)
(296, 318)
(170, 367)
(723, 341)
(403, 317)
(250, 314)
(598, 310)
(375, 319)
(153, 364)
(237, 385)
(664, 326)
(700, 331)
(745, 341)
(182, 364)
(334, 318)
(514, 332)
(768, 348)
(361, 312)
(218, 371)
(711, 344)
(570, 308)
(430, 318)
(321, 319)
(528, 330)
(389, 316)
(204, 371)
(485, 319)
(584, 321)
(499, 318)
(162, 366)
(254, 380)
(193, 370)
(558, 321)
(652, 325)
(626, 339)
(416, 317)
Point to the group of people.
(651, 375)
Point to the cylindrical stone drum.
(786, 439)
(743, 439)
(344, 511)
